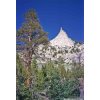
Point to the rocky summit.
(61, 48)
(62, 40)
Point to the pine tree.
(30, 35)
(55, 87)
(33, 79)
(63, 72)
(22, 91)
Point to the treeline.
(54, 83)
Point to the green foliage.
(71, 88)
(40, 80)
(62, 83)
(31, 35)
(38, 76)
(55, 90)
(62, 71)
(55, 81)
(77, 71)
(31, 32)
(22, 92)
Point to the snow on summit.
(62, 40)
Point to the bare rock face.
(61, 48)
(62, 40)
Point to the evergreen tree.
(55, 86)
(31, 35)
(71, 88)
(22, 91)
(40, 80)
(62, 71)
(77, 71)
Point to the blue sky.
(54, 14)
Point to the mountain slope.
(61, 48)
